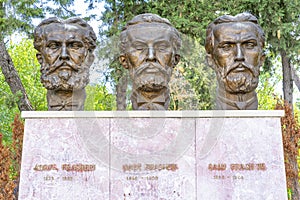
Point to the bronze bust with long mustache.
(149, 50)
(234, 49)
(65, 52)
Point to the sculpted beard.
(73, 78)
(146, 80)
(239, 81)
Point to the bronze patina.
(149, 50)
(65, 52)
(234, 47)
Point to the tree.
(9, 23)
(12, 78)
(98, 98)
(27, 66)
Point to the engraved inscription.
(234, 167)
(45, 167)
(148, 167)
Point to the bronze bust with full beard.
(234, 47)
(65, 52)
(149, 50)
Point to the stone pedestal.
(149, 155)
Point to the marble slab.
(135, 156)
(240, 158)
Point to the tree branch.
(12, 78)
(67, 10)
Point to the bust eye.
(53, 45)
(227, 47)
(75, 45)
(162, 47)
(139, 47)
(249, 45)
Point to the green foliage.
(189, 17)
(267, 97)
(182, 95)
(24, 59)
(117, 13)
(6, 115)
(98, 98)
(109, 52)
(23, 56)
(268, 81)
(200, 77)
(17, 15)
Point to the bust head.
(149, 50)
(234, 46)
(65, 52)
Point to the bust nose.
(64, 53)
(239, 53)
(151, 54)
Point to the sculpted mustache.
(60, 63)
(237, 65)
(143, 67)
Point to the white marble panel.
(152, 155)
(56, 164)
(240, 158)
(152, 159)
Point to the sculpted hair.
(242, 17)
(149, 18)
(40, 31)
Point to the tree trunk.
(12, 78)
(121, 92)
(295, 77)
(287, 78)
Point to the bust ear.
(39, 58)
(90, 58)
(123, 61)
(262, 59)
(176, 59)
(210, 61)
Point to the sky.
(80, 7)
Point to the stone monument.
(146, 155)
(234, 46)
(65, 52)
(150, 155)
(149, 50)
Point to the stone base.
(149, 155)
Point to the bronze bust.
(65, 52)
(149, 50)
(234, 47)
